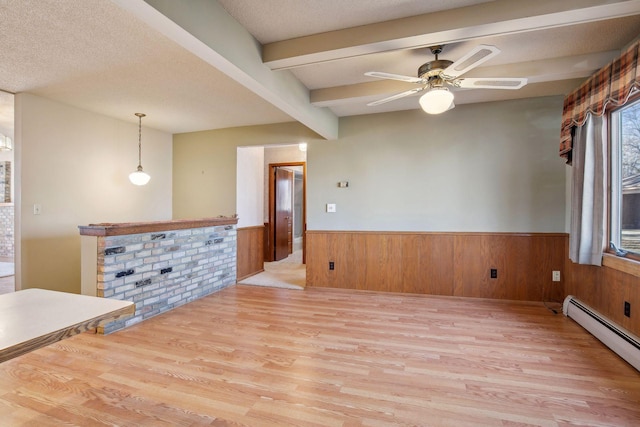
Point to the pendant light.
(139, 177)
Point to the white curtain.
(586, 239)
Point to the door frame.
(269, 255)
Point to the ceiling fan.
(435, 77)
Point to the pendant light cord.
(140, 116)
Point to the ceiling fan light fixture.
(433, 75)
(436, 101)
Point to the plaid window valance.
(611, 85)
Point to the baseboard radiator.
(621, 341)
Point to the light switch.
(37, 209)
(331, 207)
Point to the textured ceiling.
(93, 55)
(118, 57)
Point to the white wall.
(479, 167)
(204, 165)
(484, 167)
(75, 165)
(249, 186)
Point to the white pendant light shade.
(139, 177)
(436, 101)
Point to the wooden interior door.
(283, 238)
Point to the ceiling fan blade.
(394, 77)
(475, 57)
(491, 83)
(396, 96)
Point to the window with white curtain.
(624, 216)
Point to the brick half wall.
(159, 271)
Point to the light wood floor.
(327, 357)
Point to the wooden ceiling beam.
(496, 18)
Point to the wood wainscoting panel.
(475, 256)
(317, 254)
(455, 264)
(250, 251)
(382, 266)
(524, 264)
(606, 289)
(266, 244)
(427, 261)
(552, 251)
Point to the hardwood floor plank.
(328, 357)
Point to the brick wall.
(162, 270)
(6, 231)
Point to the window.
(625, 178)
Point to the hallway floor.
(288, 273)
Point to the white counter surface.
(34, 318)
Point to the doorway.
(7, 191)
(287, 215)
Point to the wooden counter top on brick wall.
(122, 228)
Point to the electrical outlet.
(331, 265)
(494, 273)
(555, 275)
(627, 308)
